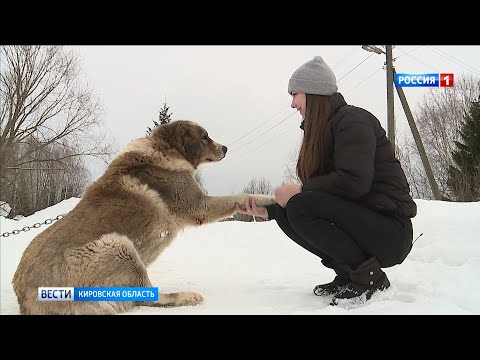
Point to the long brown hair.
(310, 158)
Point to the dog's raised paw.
(264, 200)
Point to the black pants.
(342, 232)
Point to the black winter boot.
(342, 279)
(367, 278)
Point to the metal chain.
(34, 226)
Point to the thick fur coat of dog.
(123, 222)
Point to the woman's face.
(299, 102)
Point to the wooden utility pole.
(390, 92)
(390, 115)
(418, 140)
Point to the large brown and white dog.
(125, 220)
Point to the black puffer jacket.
(360, 164)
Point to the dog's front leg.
(214, 208)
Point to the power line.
(249, 151)
(368, 57)
(361, 82)
(455, 60)
(345, 57)
(277, 124)
(259, 126)
(266, 142)
(263, 123)
(280, 122)
(406, 53)
(420, 61)
(274, 126)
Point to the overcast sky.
(239, 94)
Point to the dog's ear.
(189, 137)
(163, 132)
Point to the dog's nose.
(224, 149)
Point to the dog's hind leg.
(111, 261)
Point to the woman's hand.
(252, 209)
(284, 192)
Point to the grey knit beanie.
(313, 77)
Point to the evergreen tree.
(464, 176)
(164, 117)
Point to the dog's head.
(190, 140)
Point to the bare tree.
(439, 117)
(290, 172)
(261, 186)
(46, 117)
(408, 156)
(45, 184)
